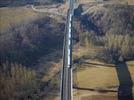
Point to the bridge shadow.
(125, 82)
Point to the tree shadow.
(125, 82)
(88, 23)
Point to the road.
(66, 80)
(47, 11)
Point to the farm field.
(92, 80)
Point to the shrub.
(25, 43)
(119, 45)
(87, 39)
(17, 82)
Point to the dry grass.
(131, 69)
(90, 95)
(81, 51)
(52, 71)
(99, 77)
(99, 97)
(96, 77)
(131, 2)
(15, 15)
(84, 1)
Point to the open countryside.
(98, 34)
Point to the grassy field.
(130, 2)
(97, 76)
(9, 16)
(86, 95)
